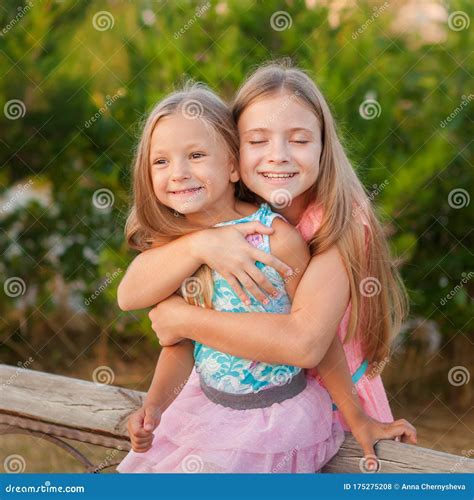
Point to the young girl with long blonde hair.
(300, 337)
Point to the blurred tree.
(78, 79)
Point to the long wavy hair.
(378, 298)
(150, 223)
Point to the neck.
(294, 212)
(228, 208)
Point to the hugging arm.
(170, 264)
(300, 338)
(305, 337)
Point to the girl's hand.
(369, 431)
(141, 425)
(165, 320)
(226, 250)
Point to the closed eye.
(257, 142)
(301, 142)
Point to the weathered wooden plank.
(9, 422)
(67, 403)
(395, 457)
(92, 413)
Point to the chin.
(185, 210)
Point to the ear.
(234, 172)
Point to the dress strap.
(356, 376)
(267, 215)
(359, 373)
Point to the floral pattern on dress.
(230, 373)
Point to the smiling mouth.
(271, 175)
(187, 191)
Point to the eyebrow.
(263, 129)
(187, 146)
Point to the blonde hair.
(150, 223)
(375, 318)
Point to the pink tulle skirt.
(196, 435)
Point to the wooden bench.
(55, 408)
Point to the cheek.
(310, 160)
(159, 185)
(247, 173)
(247, 162)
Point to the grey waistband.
(261, 399)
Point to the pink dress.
(201, 432)
(196, 435)
(371, 391)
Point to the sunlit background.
(77, 78)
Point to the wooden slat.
(88, 412)
(68, 404)
(398, 458)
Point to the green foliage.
(85, 92)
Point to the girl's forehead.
(282, 110)
(178, 126)
(178, 131)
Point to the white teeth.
(187, 190)
(278, 176)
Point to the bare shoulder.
(287, 244)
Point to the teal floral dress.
(229, 373)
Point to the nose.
(279, 152)
(179, 171)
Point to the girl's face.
(190, 166)
(280, 147)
